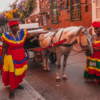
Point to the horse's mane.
(73, 31)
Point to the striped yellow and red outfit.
(15, 61)
(92, 68)
(0, 56)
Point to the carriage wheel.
(26, 53)
(53, 57)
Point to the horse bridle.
(68, 45)
(84, 48)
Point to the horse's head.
(85, 41)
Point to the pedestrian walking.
(92, 68)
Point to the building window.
(54, 11)
(41, 0)
(66, 3)
(86, 8)
(75, 10)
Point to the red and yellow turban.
(11, 23)
(96, 24)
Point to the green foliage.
(26, 7)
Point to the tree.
(26, 7)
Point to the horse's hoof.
(44, 70)
(48, 70)
(65, 78)
(58, 80)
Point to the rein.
(69, 45)
(50, 34)
(83, 34)
(60, 35)
(84, 48)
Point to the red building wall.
(64, 17)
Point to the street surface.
(75, 88)
(29, 93)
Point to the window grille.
(75, 10)
(54, 11)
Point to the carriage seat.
(33, 41)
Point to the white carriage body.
(31, 27)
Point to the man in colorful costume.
(13, 57)
(92, 68)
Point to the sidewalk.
(29, 93)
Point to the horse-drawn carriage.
(56, 43)
(33, 43)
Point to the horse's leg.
(64, 65)
(58, 66)
(43, 57)
(47, 56)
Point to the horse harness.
(65, 45)
(83, 47)
(69, 45)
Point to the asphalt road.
(75, 88)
